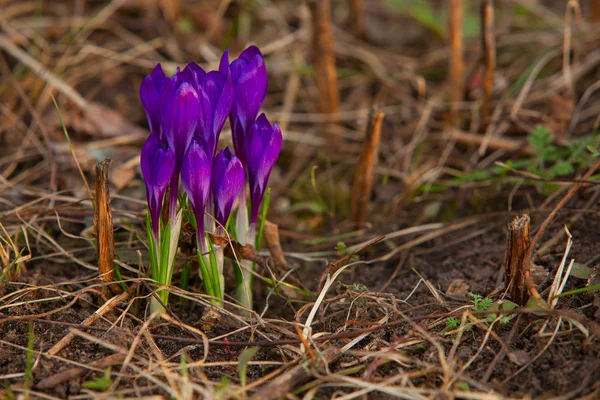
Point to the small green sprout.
(244, 359)
(342, 251)
(452, 323)
(102, 384)
(480, 303)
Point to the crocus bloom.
(215, 91)
(250, 80)
(227, 183)
(181, 107)
(151, 95)
(195, 177)
(262, 145)
(216, 98)
(157, 163)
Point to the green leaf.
(313, 182)
(540, 139)
(475, 176)
(186, 25)
(479, 303)
(562, 168)
(183, 366)
(580, 290)
(452, 323)
(263, 218)
(504, 305)
(580, 271)
(102, 383)
(244, 359)
(341, 246)
(536, 304)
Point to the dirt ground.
(398, 295)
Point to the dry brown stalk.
(493, 143)
(172, 9)
(515, 271)
(324, 58)
(305, 343)
(103, 227)
(488, 43)
(570, 49)
(357, 16)
(457, 64)
(365, 170)
(271, 235)
(595, 10)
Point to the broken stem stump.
(365, 170)
(103, 227)
(517, 268)
(518, 242)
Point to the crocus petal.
(188, 75)
(250, 52)
(249, 75)
(150, 94)
(255, 144)
(238, 134)
(250, 90)
(157, 164)
(227, 183)
(195, 177)
(213, 84)
(263, 145)
(205, 120)
(223, 106)
(180, 119)
(197, 70)
(216, 97)
(272, 150)
(224, 63)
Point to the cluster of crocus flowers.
(186, 114)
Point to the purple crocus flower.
(216, 99)
(157, 162)
(262, 145)
(227, 183)
(180, 114)
(151, 95)
(215, 91)
(181, 108)
(249, 73)
(195, 177)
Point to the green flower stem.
(209, 268)
(163, 251)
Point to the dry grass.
(347, 322)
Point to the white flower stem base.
(246, 234)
